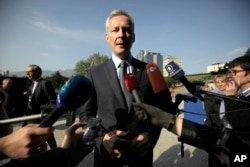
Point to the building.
(168, 59)
(149, 57)
(5, 73)
(215, 67)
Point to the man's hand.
(26, 141)
(231, 88)
(115, 144)
(140, 144)
(158, 117)
(72, 143)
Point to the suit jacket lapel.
(136, 69)
(113, 80)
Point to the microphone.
(132, 86)
(176, 72)
(74, 93)
(160, 88)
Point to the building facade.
(215, 67)
(149, 57)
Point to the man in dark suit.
(40, 92)
(128, 140)
(237, 113)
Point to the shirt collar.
(117, 60)
(36, 81)
(246, 92)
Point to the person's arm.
(26, 141)
(69, 154)
(189, 132)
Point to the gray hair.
(118, 13)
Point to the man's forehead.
(235, 67)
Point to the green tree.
(83, 66)
(170, 81)
(247, 52)
(57, 80)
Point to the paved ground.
(166, 152)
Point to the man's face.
(31, 74)
(120, 35)
(239, 76)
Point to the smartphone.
(90, 130)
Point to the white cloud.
(238, 51)
(76, 34)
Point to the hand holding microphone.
(161, 90)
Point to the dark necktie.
(122, 72)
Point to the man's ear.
(106, 37)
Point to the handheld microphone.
(160, 88)
(74, 93)
(176, 72)
(156, 79)
(132, 86)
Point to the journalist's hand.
(26, 141)
(114, 143)
(72, 143)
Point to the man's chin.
(123, 56)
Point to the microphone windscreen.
(131, 82)
(155, 77)
(174, 71)
(162, 94)
(75, 92)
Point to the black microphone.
(176, 72)
(74, 93)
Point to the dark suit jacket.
(44, 93)
(109, 103)
(238, 115)
(212, 109)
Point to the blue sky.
(56, 34)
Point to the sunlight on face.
(119, 35)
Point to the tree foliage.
(57, 80)
(83, 66)
(247, 52)
(170, 81)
